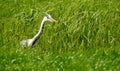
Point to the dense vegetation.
(85, 38)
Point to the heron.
(31, 42)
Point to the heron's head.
(49, 18)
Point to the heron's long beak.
(53, 20)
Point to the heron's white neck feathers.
(30, 42)
(40, 30)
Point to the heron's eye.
(47, 16)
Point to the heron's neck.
(40, 30)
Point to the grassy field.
(85, 38)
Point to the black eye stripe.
(47, 16)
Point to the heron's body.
(31, 42)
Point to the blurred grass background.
(85, 38)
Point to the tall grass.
(86, 36)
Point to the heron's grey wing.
(23, 42)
